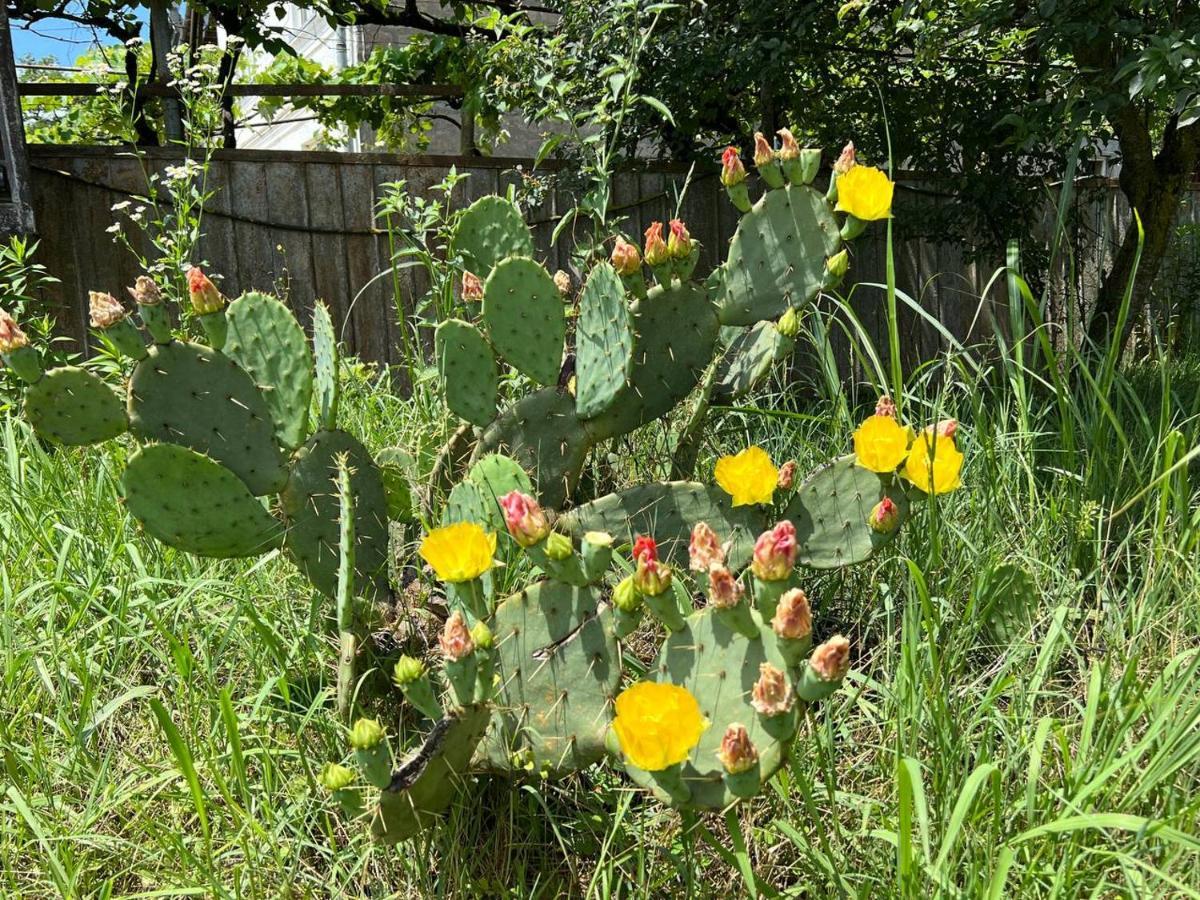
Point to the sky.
(64, 41)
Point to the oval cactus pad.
(489, 230)
(73, 406)
(604, 342)
(468, 369)
(184, 499)
(777, 256)
(525, 317)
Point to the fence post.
(160, 45)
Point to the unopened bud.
(789, 323)
(626, 596)
(772, 693)
(12, 338)
(652, 577)
(737, 753)
(625, 258)
(886, 407)
(655, 251)
(732, 170)
(788, 149)
(558, 546)
(482, 636)
(845, 161)
(838, 264)
(104, 310)
(724, 591)
(775, 552)
(679, 245)
(562, 281)
(205, 297)
(704, 548)
(884, 517)
(335, 777)
(366, 734)
(793, 616)
(407, 670)
(763, 154)
(945, 428)
(524, 518)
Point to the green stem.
(347, 638)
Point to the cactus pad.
(559, 671)
(268, 343)
(604, 342)
(73, 406)
(325, 357)
(186, 500)
(525, 317)
(719, 666)
(494, 476)
(830, 512)
(748, 360)
(489, 230)
(668, 511)
(544, 435)
(675, 330)
(191, 395)
(424, 785)
(1007, 600)
(311, 509)
(777, 256)
(468, 370)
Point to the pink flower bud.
(788, 148)
(526, 520)
(787, 475)
(793, 616)
(831, 660)
(775, 552)
(772, 694)
(946, 428)
(845, 162)
(655, 252)
(205, 297)
(763, 154)
(625, 258)
(472, 288)
(737, 753)
(732, 170)
(104, 310)
(455, 640)
(704, 549)
(12, 338)
(652, 577)
(884, 517)
(886, 407)
(644, 547)
(679, 244)
(724, 592)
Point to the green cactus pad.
(668, 511)
(525, 317)
(748, 360)
(1007, 600)
(675, 330)
(186, 500)
(325, 357)
(489, 230)
(188, 394)
(423, 786)
(465, 504)
(73, 406)
(311, 509)
(777, 256)
(266, 340)
(719, 666)
(830, 512)
(395, 464)
(545, 436)
(603, 342)
(494, 476)
(559, 671)
(468, 368)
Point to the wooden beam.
(416, 91)
(16, 209)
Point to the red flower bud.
(732, 170)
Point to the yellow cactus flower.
(934, 464)
(459, 552)
(657, 725)
(748, 477)
(881, 443)
(866, 193)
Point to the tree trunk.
(1154, 187)
(229, 61)
(146, 136)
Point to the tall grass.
(162, 717)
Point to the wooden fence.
(303, 224)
